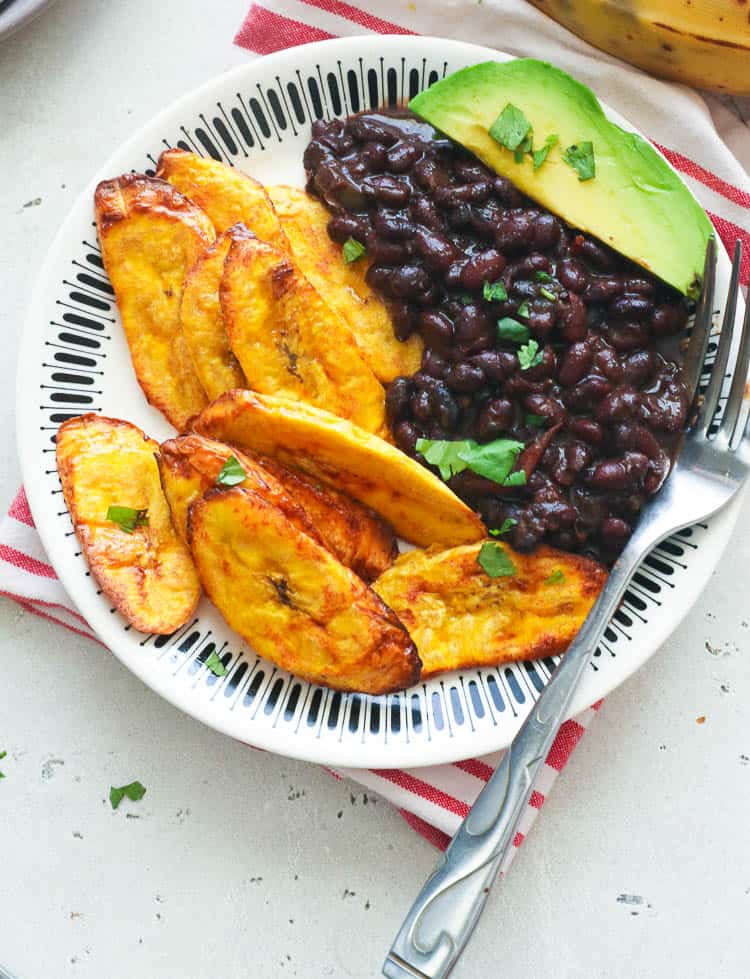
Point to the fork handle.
(447, 909)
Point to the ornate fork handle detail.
(448, 907)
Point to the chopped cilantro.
(504, 528)
(231, 473)
(548, 294)
(493, 559)
(523, 310)
(525, 147)
(541, 276)
(127, 518)
(510, 329)
(134, 791)
(556, 578)
(352, 250)
(510, 128)
(493, 461)
(540, 155)
(536, 421)
(215, 665)
(495, 291)
(580, 156)
(2, 755)
(529, 355)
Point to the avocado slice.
(635, 202)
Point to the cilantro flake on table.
(231, 473)
(580, 156)
(494, 461)
(510, 329)
(127, 518)
(352, 250)
(495, 291)
(510, 128)
(529, 355)
(493, 559)
(540, 155)
(3, 754)
(134, 791)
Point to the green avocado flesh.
(635, 203)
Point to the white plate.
(74, 359)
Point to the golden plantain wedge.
(418, 506)
(189, 467)
(342, 285)
(146, 573)
(227, 195)
(202, 321)
(151, 236)
(288, 342)
(459, 617)
(292, 601)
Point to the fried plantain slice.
(288, 342)
(147, 573)
(190, 465)
(151, 236)
(292, 601)
(415, 503)
(459, 617)
(227, 195)
(342, 285)
(202, 321)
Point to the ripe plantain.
(151, 236)
(147, 574)
(292, 601)
(189, 467)
(418, 506)
(459, 617)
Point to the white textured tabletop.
(242, 864)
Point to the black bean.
(345, 226)
(451, 195)
(367, 128)
(587, 429)
(375, 157)
(572, 274)
(572, 319)
(548, 408)
(444, 406)
(387, 190)
(545, 368)
(666, 409)
(436, 249)
(590, 389)
(615, 532)
(507, 193)
(433, 364)
(484, 267)
(668, 319)
(602, 288)
(403, 320)
(627, 336)
(335, 185)
(464, 377)
(631, 306)
(406, 434)
(436, 329)
(405, 282)
(475, 330)
(393, 224)
(496, 364)
(397, 398)
(594, 253)
(423, 211)
(402, 156)
(420, 404)
(428, 174)
(541, 319)
(607, 362)
(637, 368)
(618, 474)
(385, 252)
(495, 418)
(618, 406)
(574, 363)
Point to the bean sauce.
(600, 409)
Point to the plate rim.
(353, 755)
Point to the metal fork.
(709, 470)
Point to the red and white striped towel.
(434, 800)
